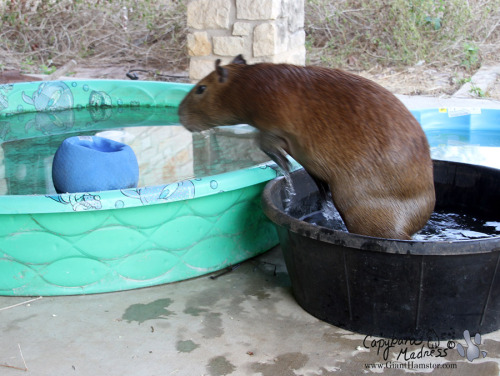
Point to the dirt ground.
(418, 80)
(424, 81)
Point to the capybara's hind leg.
(381, 223)
(380, 230)
(323, 189)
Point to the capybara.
(347, 132)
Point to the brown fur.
(343, 129)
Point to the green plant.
(463, 80)
(434, 21)
(476, 90)
(44, 69)
(27, 65)
(471, 56)
(402, 32)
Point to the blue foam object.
(91, 164)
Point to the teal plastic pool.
(181, 222)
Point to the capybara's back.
(347, 132)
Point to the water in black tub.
(449, 226)
(442, 226)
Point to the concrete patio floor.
(245, 322)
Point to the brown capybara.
(346, 131)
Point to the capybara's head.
(209, 103)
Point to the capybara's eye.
(200, 89)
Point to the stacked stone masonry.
(261, 30)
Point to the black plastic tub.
(395, 288)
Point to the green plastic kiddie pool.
(196, 209)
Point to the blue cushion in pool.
(91, 163)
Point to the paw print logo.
(472, 350)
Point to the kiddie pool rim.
(151, 94)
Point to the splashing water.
(329, 218)
(442, 226)
(289, 190)
(329, 211)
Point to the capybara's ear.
(239, 60)
(221, 72)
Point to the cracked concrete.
(481, 81)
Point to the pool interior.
(481, 146)
(463, 134)
(166, 151)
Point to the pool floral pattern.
(50, 96)
(79, 201)
(100, 98)
(4, 102)
(183, 190)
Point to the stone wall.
(261, 30)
